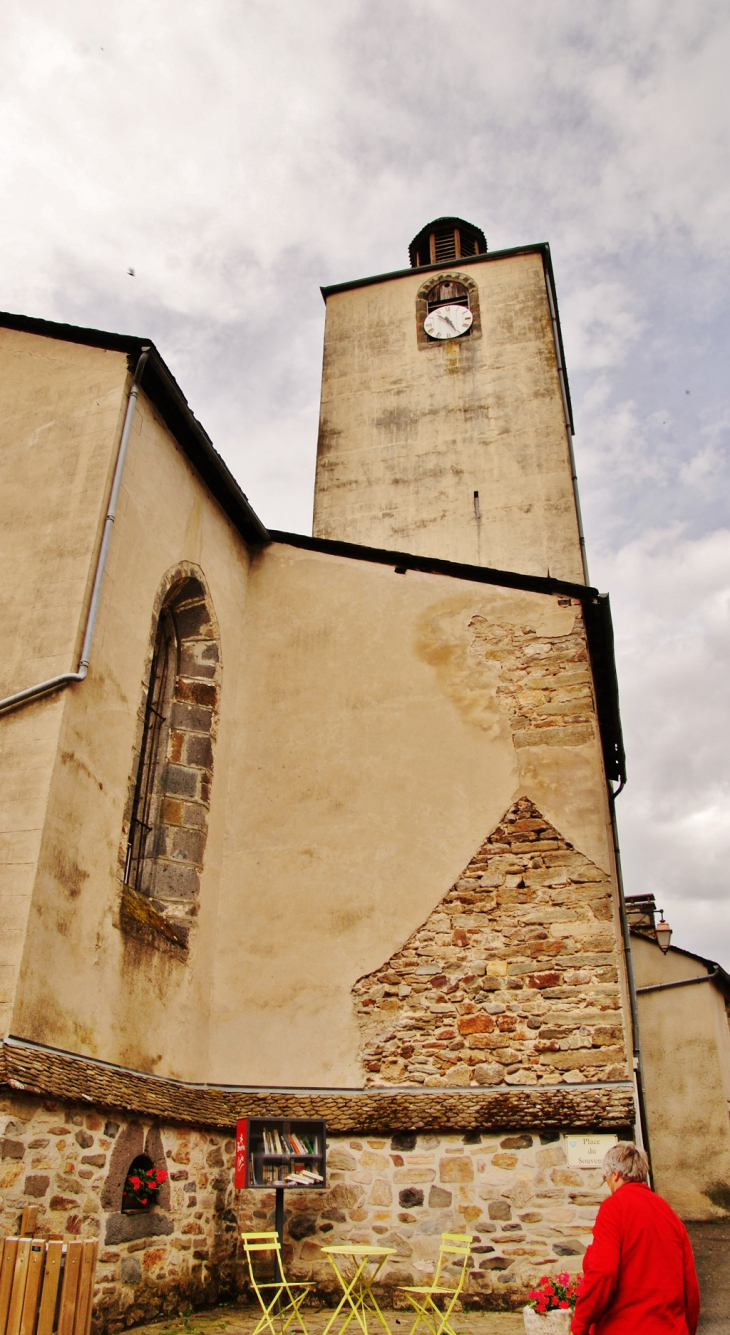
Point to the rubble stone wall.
(529, 1213)
(513, 979)
(179, 1254)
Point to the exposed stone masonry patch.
(512, 980)
(544, 682)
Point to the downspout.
(65, 678)
(641, 1121)
(681, 982)
(568, 424)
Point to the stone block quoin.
(171, 790)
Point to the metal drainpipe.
(625, 933)
(65, 678)
(681, 982)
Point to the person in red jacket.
(639, 1275)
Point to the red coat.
(639, 1274)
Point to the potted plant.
(142, 1185)
(551, 1304)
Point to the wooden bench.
(46, 1286)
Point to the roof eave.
(160, 386)
(596, 610)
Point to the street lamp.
(663, 933)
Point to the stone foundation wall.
(529, 1213)
(177, 1255)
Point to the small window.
(449, 293)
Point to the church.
(312, 827)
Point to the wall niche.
(128, 1220)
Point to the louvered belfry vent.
(445, 240)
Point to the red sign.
(241, 1152)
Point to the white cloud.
(671, 604)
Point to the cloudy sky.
(236, 155)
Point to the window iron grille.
(152, 754)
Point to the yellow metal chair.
(277, 1298)
(454, 1247)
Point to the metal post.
(279, 1226)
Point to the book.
(304, 1178)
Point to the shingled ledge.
(48, 1071)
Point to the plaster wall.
(373, 730)
(381, 738)
(62, 407)
(409, 431)
(87, 986)
(685, 1042)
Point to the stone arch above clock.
(436, 280)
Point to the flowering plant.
(559, 1294)
(143, 1183)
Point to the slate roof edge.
(485, 257)
(436, 565)
(37, 1069)
(160, 386)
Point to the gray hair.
(628, 1162)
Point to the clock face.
(448, 321)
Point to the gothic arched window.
(140, 860)
(167, 811)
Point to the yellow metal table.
(357, 1289)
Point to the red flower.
(563, 1306)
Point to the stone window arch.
(166, 817)
(447, 288)
(133, 1142)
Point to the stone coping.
(42, 1070)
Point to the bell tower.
(445, 423)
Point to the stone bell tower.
(445, 424)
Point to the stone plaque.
(588, 1151)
